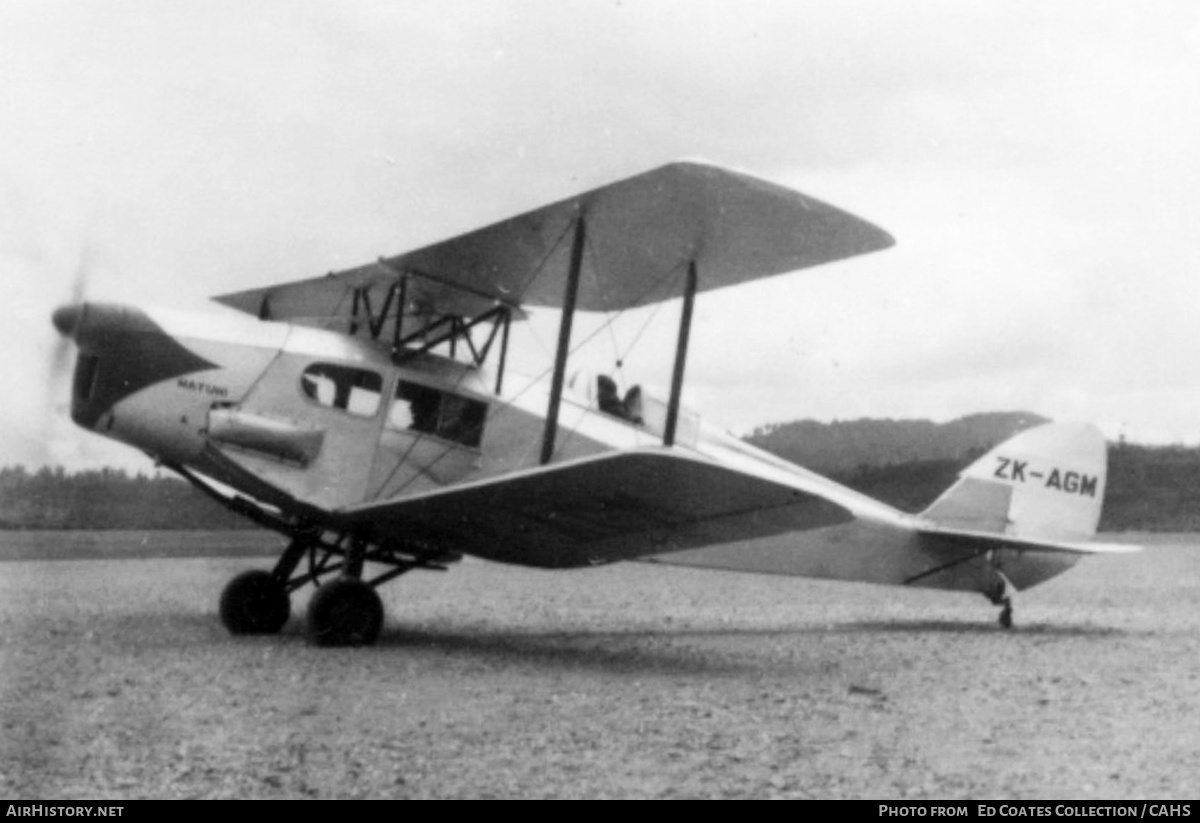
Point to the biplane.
(370, 416)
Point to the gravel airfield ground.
(118, 681)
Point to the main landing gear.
(345, 609)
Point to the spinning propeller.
(66, 319)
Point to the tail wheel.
(255, 602)
(1006, 615)
(345, 612)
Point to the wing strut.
(564, 345)
(685, 327)
(564, 340)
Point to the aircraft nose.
(66, 319)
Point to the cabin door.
(430, 439)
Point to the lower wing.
(616, 506)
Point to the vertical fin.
(1047, 482)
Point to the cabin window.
(356, 391)
(429, 411)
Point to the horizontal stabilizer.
(984, 541)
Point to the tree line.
(52, 498)
(1150, 488)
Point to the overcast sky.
(1038, 164)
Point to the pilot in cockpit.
(610, 401)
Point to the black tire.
(255, 602)
(1006, 617)
(345, 612)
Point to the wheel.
(255, 602)
(345, 612)
(1006, 616)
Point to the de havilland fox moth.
(368, 416)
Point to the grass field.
(119, 545)
(117, 681)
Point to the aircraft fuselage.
(289, 414)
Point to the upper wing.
(615, 506)
(641, 234)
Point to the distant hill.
(1152, 488)
(847, 445)
(908, 463)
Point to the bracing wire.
(656, 283)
